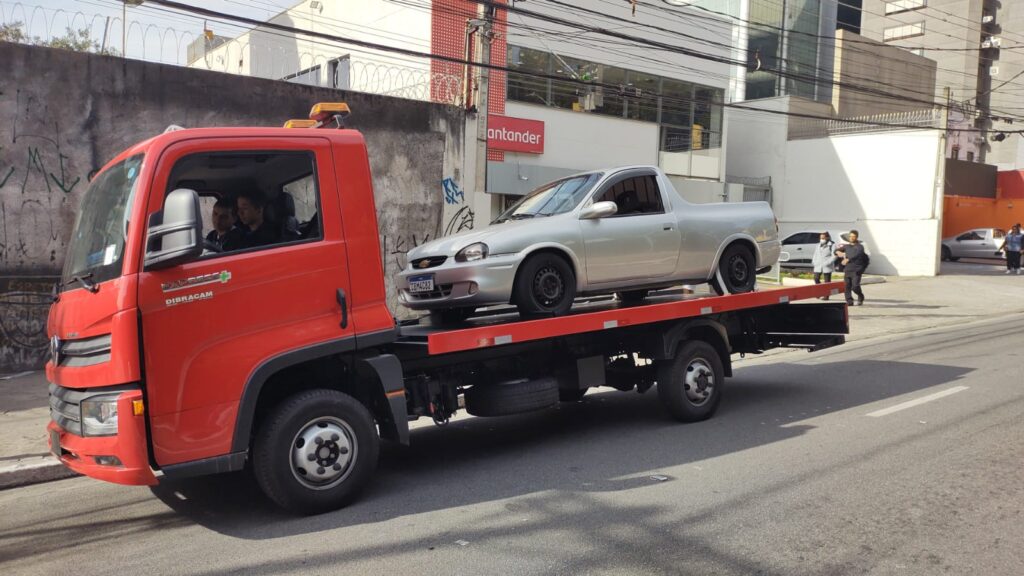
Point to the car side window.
(972, 235)
(998, 234)
(252, 200)
(635, 196)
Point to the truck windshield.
(554, 198)
(97, 243)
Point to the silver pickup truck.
(624, 230)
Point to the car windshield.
(554, 198)
(97, 243)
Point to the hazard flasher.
(322, 114)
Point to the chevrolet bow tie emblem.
(424, 263)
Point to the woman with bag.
(823, 259)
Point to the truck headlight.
(99, 415)
(472, 253)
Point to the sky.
(154, 33)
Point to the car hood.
(496, 236)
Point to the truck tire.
(544, 286)
(736, 272)
(342, 462)
(512, 397)
(690, 385)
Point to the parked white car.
(624, 230)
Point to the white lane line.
(917, 402)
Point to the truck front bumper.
(121, 458)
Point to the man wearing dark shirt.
(253, 230)
(223, 221)
(855, 261)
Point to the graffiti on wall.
(23, 307)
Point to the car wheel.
(633, 296)
(450, 316)
(946, 254)
(545, 286)
(690, 385)
(736, 271)
(316, 451)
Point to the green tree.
(78, 41)
(12, 33)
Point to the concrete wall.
(64, 114)
(857, 62)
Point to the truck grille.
(64, 409)
(85, 352)
(429, 262)
(439, 291)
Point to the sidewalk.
(965, 293)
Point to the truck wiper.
(84, 281)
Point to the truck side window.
(273, 195)
(635, 196)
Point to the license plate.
(419, 284)
(55, 443)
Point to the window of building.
(642, 91)
(309, 76)
(970, 156)
(523, 87)
(634, 196)
(897, 6)
(903, 31)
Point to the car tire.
(736, 272)
(326, 418)
(512, 397)
(544, 286)
(690, 385)
(450, 316)
(632, 296)
(947, 254)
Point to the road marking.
(917, 402)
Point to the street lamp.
(124, 24)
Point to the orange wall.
(963, 213)
(1010, 184)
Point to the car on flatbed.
(624, 230)
(169, 361)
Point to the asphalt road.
(809, 467)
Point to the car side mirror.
(599, 210)
(175, 233)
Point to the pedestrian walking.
(824, 259)
(854, 260)
(1013, 243)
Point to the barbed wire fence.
(253, 53)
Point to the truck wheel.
(633, 296)
(316, 451)
(450, 316)
(512, 397)
(736, 271)
(690, 385)
(545, 286)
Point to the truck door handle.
(344, 308)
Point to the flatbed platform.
(507, 328)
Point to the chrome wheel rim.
(322, 453)
(699, 381)
(548, 286)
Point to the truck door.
(208, 324)
(640, 241)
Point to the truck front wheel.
(690, 385)
(316, 451)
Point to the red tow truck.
(171, 357)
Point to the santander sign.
(515, 134)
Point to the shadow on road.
(608, 442)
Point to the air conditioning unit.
(993, 70)
(986, 44)
(988, 19)
(995, 41)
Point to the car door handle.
(344, 308)
(667, 227)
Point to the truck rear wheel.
(316, 451)
(690, 385)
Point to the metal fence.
(807, 128)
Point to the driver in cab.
(253, 230)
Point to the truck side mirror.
(599, 210)
(175, 233)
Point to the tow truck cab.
(157, 341)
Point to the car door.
(997, 238)
(641, 241)
(800, 247)
(969, 244)
(210, 323)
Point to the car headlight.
(99, 415)
(472, 253)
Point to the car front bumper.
(462, 284)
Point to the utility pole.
(484, 32)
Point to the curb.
(33, 471)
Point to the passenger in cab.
(254, 230)
(223, 221)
